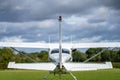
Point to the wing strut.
(95, 55)
(24, 55)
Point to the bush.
(3, 66)
(116, 64)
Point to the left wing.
(30, 45)
(24, 44)
(34, 66)
(87, 66)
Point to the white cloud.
(24, 25)
(3, 29)
(13, 39)
(18, 8)
(66, 37)
(91, 39)
(99, 15)
(40, 42)
(39, 35)
(111, 27)
(102, 12)
(76, 21)
(83, 22)
(46, 23)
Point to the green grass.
(113, 74)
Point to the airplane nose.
(65, 57)
(55, 57)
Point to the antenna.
(71, 38)
(49, 40)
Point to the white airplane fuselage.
(66, 55)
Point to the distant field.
(113, 74)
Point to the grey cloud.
(106, 32)
(111, 3)
(14, 11)
(27, 32)
(96, 20)
(29, 10)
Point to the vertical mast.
(60, 42)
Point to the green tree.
(106, 56)
(34, 56)
(118, 56)
(6, 55)
(93, 51)
(78, 56)
(113, 55)
(109, 55)
(43, 55)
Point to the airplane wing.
(24, 44)
(96, 45)
(34, 66)
(56, 45)
(87, 66)
(29, 45)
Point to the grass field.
(113, 74)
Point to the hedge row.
(3, 66)
(116, 64)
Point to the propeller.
(73, 50)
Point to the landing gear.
(59, 71)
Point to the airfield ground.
(112, 74)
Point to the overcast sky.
(37, 20)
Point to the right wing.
(87, 66)
(34, 66)
(96, 45)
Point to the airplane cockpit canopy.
(63, 51)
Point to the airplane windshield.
(57, 51)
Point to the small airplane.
(60, 53)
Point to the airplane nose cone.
(65, 57)
(55, 57)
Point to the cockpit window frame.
(57, 51)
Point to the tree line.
(7, 55)
(106, 55)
